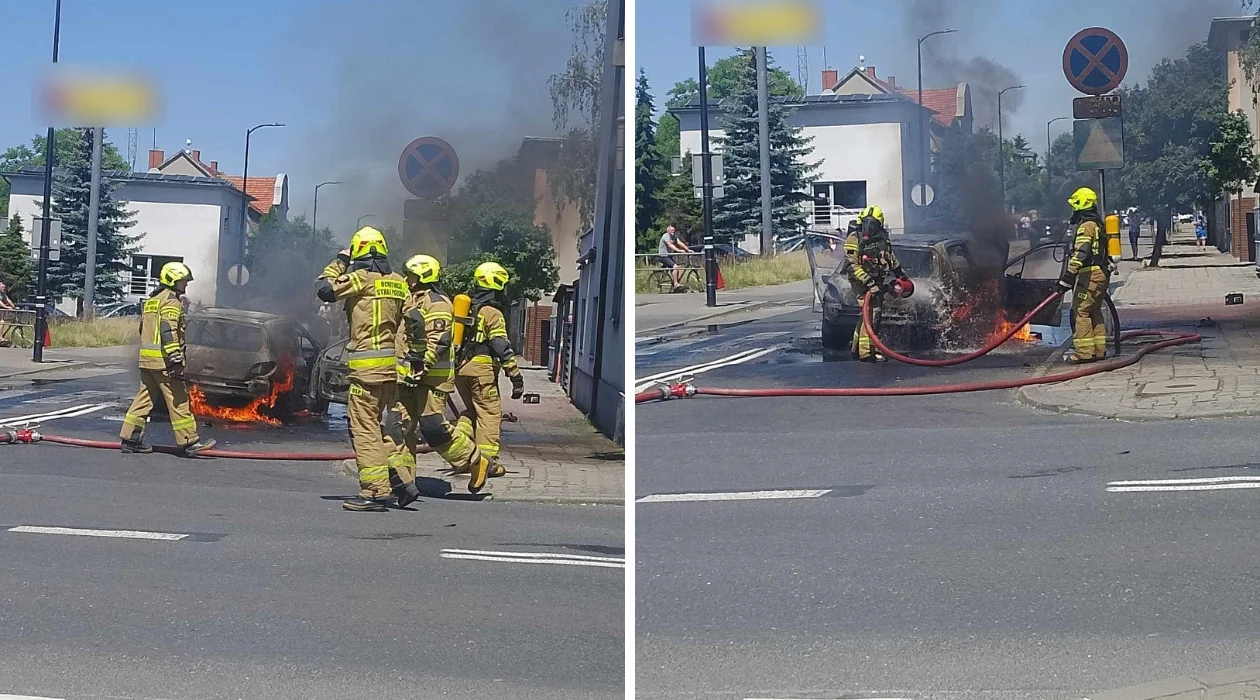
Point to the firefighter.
(426, 371)
(373, 296)
(162, 357)
(871, 260)
(1087, 271)
(483, 354)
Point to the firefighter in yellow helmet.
(162, 356)
(1088, 272)
(479, 360)
(426, 372)
(870, 260)
(373, 296)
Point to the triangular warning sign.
(1099, 143)
(1099, 148)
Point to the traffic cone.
(721, 283)
(47, 336)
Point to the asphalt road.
(965, 546)
(273, 590)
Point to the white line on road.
(1200, 480)
(25, 697)
(735, 359)
(1185, 487)
(120, 534)
(734, 496)
(535, 558)
(673, 372)
(70, 412)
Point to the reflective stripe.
(151, 352)
(376, 323)
(483, 359)
(356, 283)
(364, 359)
(134, 420)
(183, 423)
(448, 372)
(373, 473)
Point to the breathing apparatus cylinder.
(462, 305)
(1111, 226)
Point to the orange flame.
(1004, 325)
(983, 301)
(257, 411)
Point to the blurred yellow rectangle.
(756, 23)
(78, 97)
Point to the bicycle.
(662, 280)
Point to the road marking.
(1211, 483)
(734, 496)
(67, 398)
(70, 412)
(25, 697)
(535, 558)
(737, 358)
(120, 534)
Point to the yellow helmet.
(366, 241)
(491, 275)
(873, 212)
(1083, 199)
(173, 272)
(425, 267)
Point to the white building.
(185, 218)
(867, 139)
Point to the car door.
(331, 376)
(309, 351)
(1032, 277)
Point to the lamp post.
(245, 193)
(359, 223)
(1048, 176)
(45, 232)
(315, 214)
(925, 124)
(1001, 146)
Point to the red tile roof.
(262, 190)
(942, 101)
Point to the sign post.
(1095, 61)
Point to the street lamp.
(358, 224)
(1048, 176)
(315, 214)
(245, 192)
(925, 124)
(41, 293)
(1001, 147)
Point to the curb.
(750, 306)
(72, 364)
(345, 468)
(1241, 680)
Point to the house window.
(844, 198)
(144, 272)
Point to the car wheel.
(838, 335)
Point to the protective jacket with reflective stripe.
(1087, 249)
(162, 330)
(489, 344)
(425, 350)
(870, 260)
(373, 305)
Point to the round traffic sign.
(428, 167)
(1095, 61)
(917, 192)
(238, 275)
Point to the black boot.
(365, 505)
(496, 470)
(197, 448)
(136, 447)
(406, 495)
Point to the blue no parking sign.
(1095, 61)
(428, 167)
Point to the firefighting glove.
(344, 256)
(518, 386)
(1066, 283)
(177, 371)
(871, 284)
(411, 380)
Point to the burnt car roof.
(923, 240)
(237, 315)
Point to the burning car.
(261, 360)
(956, 302)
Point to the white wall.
(179, 221)
(857, 152)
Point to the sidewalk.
(1227, 684)
(1217, 377)
(656, 312)
(551, 452)
(16, 362)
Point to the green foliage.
(1232, 163)
(1025, 186)
(650, 168)
(725, 79)
(575, 99)
(114, 247)
(738, 211)
(16, 267)
(678, 206)
(286, 255)
(67, 144)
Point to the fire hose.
(31, 436)
(686, 390)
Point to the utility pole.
(1001, 144)
(315, 213)
(94, 217)
(41, 294)
(763, 136)
(706, 189)
(925, 121)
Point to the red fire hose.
(28, 435)
(678, 391)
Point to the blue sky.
(355, 81)
(1026, 36)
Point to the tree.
(16, 266)
(1064, 177)
(738, 211)
(285, 256)
(1025, 188)
(67, 144)
(114, 247)
(575, 99)
(679, 206)
(649, 167)
(1232, 163)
